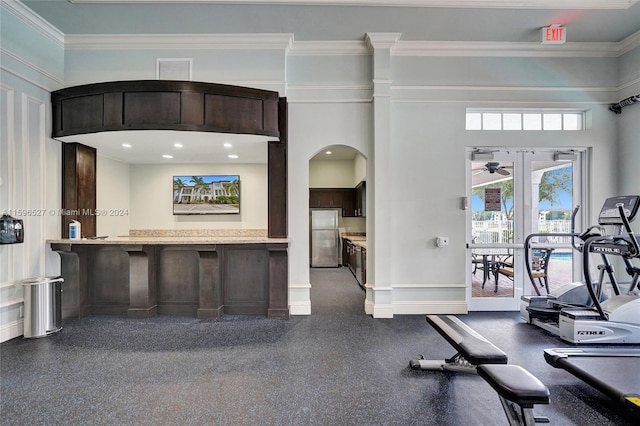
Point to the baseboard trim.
(430, 308)
(11, 330)
(300, 308)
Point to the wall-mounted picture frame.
(206, 194)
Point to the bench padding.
(514, 383)
(472, 346)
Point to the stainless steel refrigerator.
(325, 238)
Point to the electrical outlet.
(442, 241)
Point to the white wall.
(29, 160)
(331, 174)
(112, 197)
(262, 69)
(629, 126)
(343, 123)
(151, 197)
(360, 169)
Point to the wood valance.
(164, 105)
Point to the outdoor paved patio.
(559, 274)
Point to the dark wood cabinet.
(348, 203)
(335, 198)
(361, 200)
(167, 277)
(321, 198)
(354, 256)
(364, 266)
(345, 252)
(79, 188)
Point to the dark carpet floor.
(335, 367)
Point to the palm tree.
(178, 183)
(199, 183)
(233, 187)
(551, 185)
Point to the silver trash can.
(42, 306)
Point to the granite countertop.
(171, 240)
(359, 240)
(180, 237)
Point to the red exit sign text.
(554, 34)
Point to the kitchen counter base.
(206, 280)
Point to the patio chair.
(478, 263)
(502, 266)
(539, 267)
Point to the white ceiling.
(327, 20)
(148, 146)
(336, 152)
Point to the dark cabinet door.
(360, 200)
(320, 198)
(364, 266)
(345, 252)
(348, 202)
(336, 198)
(352, 256)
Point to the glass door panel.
(513, 195)
(492, 227)
(552, 204)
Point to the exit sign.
(554, 34)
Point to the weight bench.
(473, 349)
(517, 388)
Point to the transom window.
(524, 120)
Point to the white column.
(536, 178)
(379, 297)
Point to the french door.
(511, 194)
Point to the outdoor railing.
(501, 231)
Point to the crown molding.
(178, 41)
(491, 4)
(629, 43)
(505, 49)
(28, 17)
(286, 43)
(329, 48)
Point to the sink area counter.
(359, 240)
(205, 276)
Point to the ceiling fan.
(493, 167)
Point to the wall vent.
(174, 69)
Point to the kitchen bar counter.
(129, 240)
(142, 276)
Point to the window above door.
(551, 119)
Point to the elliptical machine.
(565, 311)
(617, 319)
(544, 310)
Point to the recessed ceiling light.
(126, 145)
(328, 152)
(227, 145)
(167, 156)
(177, 145)
(232, 156)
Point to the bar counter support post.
(210, 292)
(73, 268)
(278, 281)
(142, 288)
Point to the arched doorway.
(337, 220)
